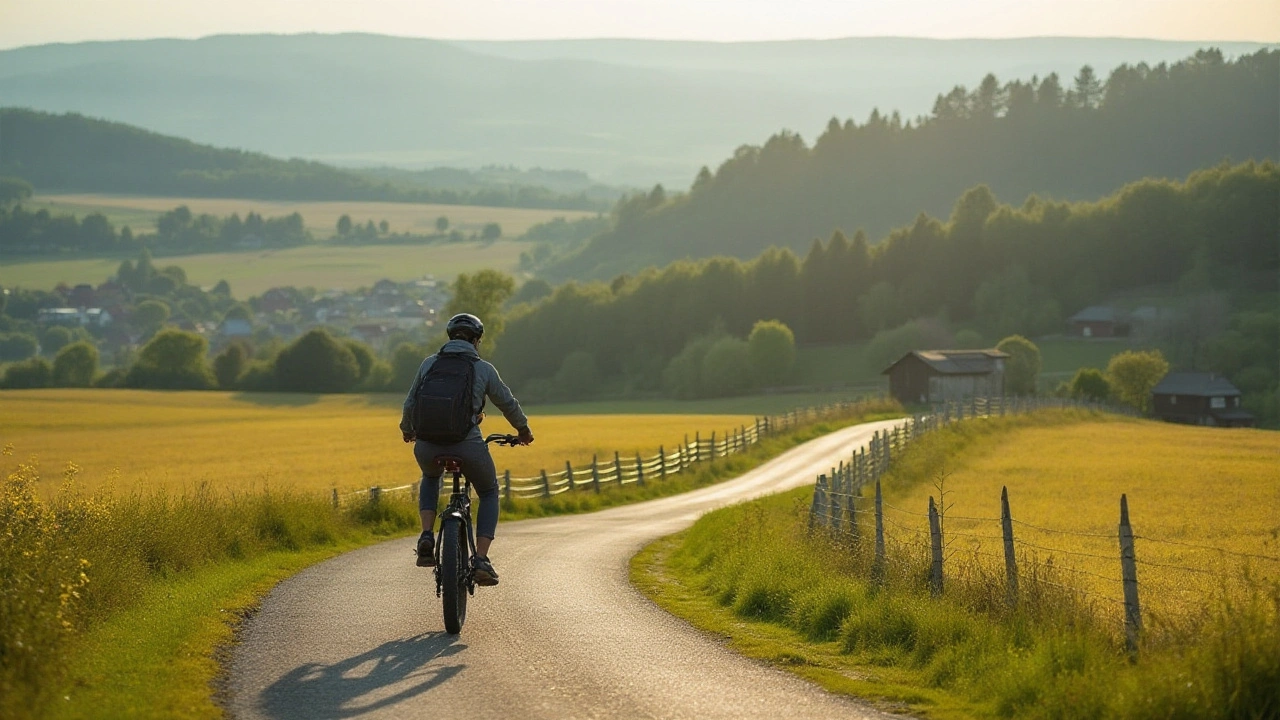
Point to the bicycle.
(455, 579)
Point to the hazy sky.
(31, 22)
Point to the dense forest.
(990, 268)
(74, 153)
(1074, 139)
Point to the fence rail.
(624, 471)
(838, 507)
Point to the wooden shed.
(1199, 398)
(934, 376)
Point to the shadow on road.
(388, 674)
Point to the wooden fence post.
(1010, 561)
(662, 462)
(546, 485)
(506, 483)
(935, 546)
(833, 507)
(595, 473)
(684, 453)
(335, 497)
(639, 471)
(617, 467)
(697, 447)
(877, 568)
(375, 494)
(815, 508)
(1129, 571)
(568, 474)
(713, 445)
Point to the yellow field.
(320, 217)
(1206, 486)
(176, 440)
(323, 267)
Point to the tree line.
(72, 152)
(990, 269)
(1075, 140)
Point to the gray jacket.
(488, 384)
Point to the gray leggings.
(477, 468)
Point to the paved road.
(563, 636)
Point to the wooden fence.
(625, 470)
(838, 507)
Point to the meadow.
(253, 272)
(144, 440)
(140, 212)
(805, 600)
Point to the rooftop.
(956, 362)
(1195, 383)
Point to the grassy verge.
(114, 606)
(801, 600)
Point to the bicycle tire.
(453, 574)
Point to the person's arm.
(410, 401)
(504, 400)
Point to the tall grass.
(1051, 657)
(70, 561)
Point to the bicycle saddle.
(450, 463)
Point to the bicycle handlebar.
(502, 439)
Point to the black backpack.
(443, 409)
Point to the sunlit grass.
(173, 440)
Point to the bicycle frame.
(459, 507)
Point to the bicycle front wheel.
(453, 573)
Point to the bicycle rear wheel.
(453, 574)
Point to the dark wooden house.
(1199, 398)
(934, 376)
(1097, 321)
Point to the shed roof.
(956, 362)
(1095, 313)
(1194, 383)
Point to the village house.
(936, 376)
(1098, 321)
(1199, 398)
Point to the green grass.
(156, 659)
(801, 600)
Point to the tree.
(17, 346)
(54, 338)
(772, 348)
(1134, 374)
(149, 316)
(483, 294)
(316, 362)
(1088, 88)
(14, 190)
(384, 227)
(35, 372)
(75, 365)
(229, 365)
(1090, 384)
(172, 360)
(726, 368)
(364, 357)
(492, 231)
(344, 226)
(1023, 366)
(577, 377)
(442, 224)
(405, 361)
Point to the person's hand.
(408, 437)
(526, 436)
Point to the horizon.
(749, 21)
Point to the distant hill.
(628, 112)
(72, 152)
(1067, 139)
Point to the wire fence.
(628, 470)
(1018, 558)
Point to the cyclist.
(464, 331)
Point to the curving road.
(563, 636)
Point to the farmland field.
(320, 218)
(1207, 486)
(320, 266)
(139, 440)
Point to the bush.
(229, 365)
(75, 365)
(1090, 384)
(316, 362)
(772, 347)
(1023, 366)
(364, 356)
(683, 375)
(1133, 375)
(172, 360)
(726, 368)
(31, 373)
